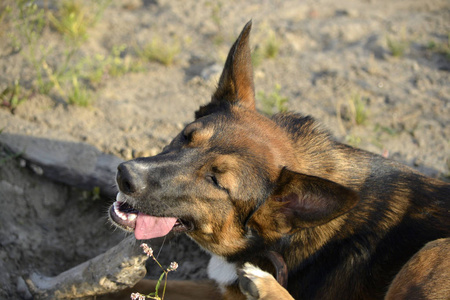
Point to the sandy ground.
(330, 53)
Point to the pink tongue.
(148, 227)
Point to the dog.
(280, 197)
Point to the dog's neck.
(318, 154)
(221, 271)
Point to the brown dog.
(343, 221)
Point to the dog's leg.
(258, 284)
(426, 275)
(175, 290)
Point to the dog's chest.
(223, 272)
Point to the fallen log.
(75, 164)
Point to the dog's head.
(226, 179)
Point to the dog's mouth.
(145, 226)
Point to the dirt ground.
(335, 62)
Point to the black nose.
(130, 178)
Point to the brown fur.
(426, 275)
(344, 220)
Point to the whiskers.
(160, 248)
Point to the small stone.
(36, 169)
(22, 163)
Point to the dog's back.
(426, 275)
(357, 256)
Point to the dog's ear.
(308, 201)
(236, 82)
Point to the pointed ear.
(309, 201)
(236, 82)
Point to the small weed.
(353, 110)
(96, 68)
(92, 195)
(397, 47)
(29, 21)
(158, 51)
(8, 157)
(67, 76)
(74, 18)
(274, 102)
(27, 29)
(71, 20)
(269, 48)
(96, 193)
(387, 129)
(173, 267)
(358, 108)
(432, 45)
(64, 76)
(117, 65)
(77, 81)
(353, 140)
(440, 48)
(12, 96)
(79, 94)
(216, 12)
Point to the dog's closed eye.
(212, 178)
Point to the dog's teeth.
(118, 212)
(116, 208)
(121, 214)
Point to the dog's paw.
(257, 284)
(251, 281)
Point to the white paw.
(252, 271)
(251, 279)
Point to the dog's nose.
(130, 178)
